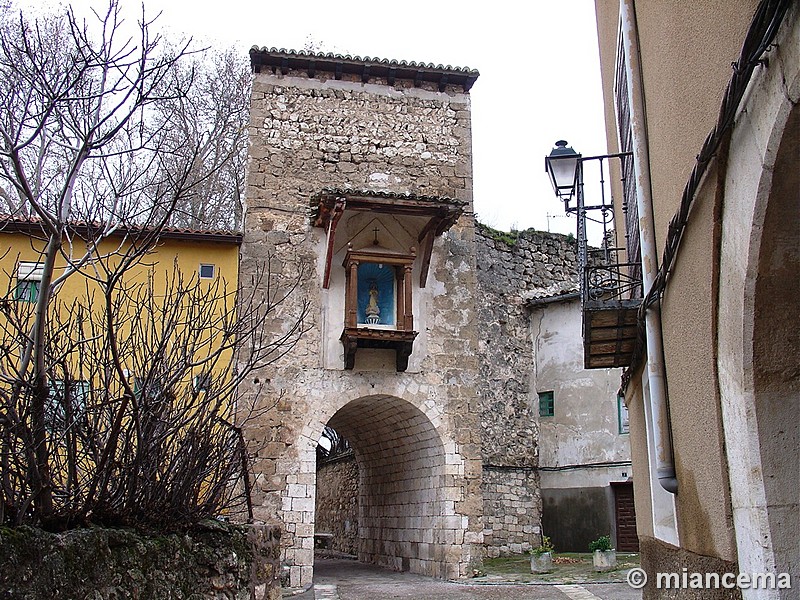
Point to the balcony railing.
(605, 280)
(611, 286)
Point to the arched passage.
(403, 512)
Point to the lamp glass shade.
(562, 166)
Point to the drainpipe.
(659, 407)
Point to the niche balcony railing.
(610, 279)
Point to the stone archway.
(758, 336)
(776, 352)
(405, 521)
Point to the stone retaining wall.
(511, 268)
(214, 561)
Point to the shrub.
(603, 543)
(545, 546)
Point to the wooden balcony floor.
(609, 333)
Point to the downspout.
(659, 407)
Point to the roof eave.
(367, 68)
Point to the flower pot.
(542, 563)
(604, 560)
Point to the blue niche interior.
(376, 280)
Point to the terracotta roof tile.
(367, 67)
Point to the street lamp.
(597, 266)
(610, 290)
(562, 165)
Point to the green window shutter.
(27, 290)
(29, 281)
(546, 404)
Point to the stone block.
(297, 490)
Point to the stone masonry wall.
(312, 133)
(512, 268)
(463, 412)
(337, 503)
(511, 510)
(210, 562)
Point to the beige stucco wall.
(687, 50)
(688, 325)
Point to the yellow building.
(205, 262)
(208, 255)
(138, 331)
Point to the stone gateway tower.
(360, 179)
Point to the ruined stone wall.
(312, 133)
(512, 268)
(337, 503)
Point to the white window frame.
(213, 271)
(28, 272)
(201, 382)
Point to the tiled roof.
(444, 211)
(347, 192)
(366, 67)
(542, 297)
(10, 223)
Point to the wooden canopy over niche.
(427, 216)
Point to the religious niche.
(378, 272)
(377, 293)
(378, 301)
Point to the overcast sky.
(539, 81)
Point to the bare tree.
(120, 129)
(141, 424)
(103, 141)
(213, 117)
